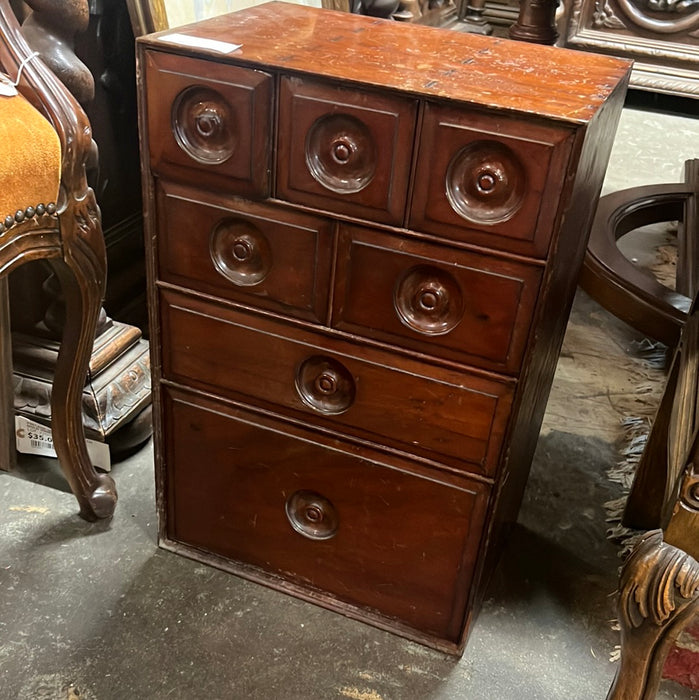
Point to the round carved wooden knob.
(312, 515)
(327, 382)
(208, 122)
(204, 125)
(325, 385)
(343, 149)
(428, 300)
(340, 153)
(485, 182)
(240, 252)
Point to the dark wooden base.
(316, 597)
(536, 22)
(115, 395)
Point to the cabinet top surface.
(497, 73)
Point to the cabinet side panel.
(559, 290)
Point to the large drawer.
(350, 525)
(245, 252)
(209, 123)
(454, 418)
(493, 181)
(465, 306)
(345, 150)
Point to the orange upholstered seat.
(30, 153)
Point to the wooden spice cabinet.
(363, 243)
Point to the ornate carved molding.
(604, 16)
(107, 398)
(658, 581)
(662, 36)
(659, 595)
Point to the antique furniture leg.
(471, 14)
(659, 596)
(659, 585)
(68, 234)
(536, 22)
(7, 429)
(82, 278)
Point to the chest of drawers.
(363, 243)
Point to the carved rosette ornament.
(240, 252)
(341, 153)
(312, 515)
(485, 182)
(204, 125)
(659, 595)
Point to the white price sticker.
(199, 43)
(7, 88)
(35, 439)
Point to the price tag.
(7, 87)
(33, 438)
(199, 43)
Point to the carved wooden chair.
(659, 584)
(47, 211)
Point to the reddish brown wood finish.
(245, 252)
(212, 119)
(456, 416)
(422, 61)
(460, 305)
(403, 398)
(399, 538)
(345, 150)
(502, 179)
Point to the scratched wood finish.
(351, 370)
(451, 416)
(386, 553)
(423, 61)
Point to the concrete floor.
(98, 612)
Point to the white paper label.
(36, 439)
(200, 43)
(7, 89)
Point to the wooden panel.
(210, 119)
(508, 75)
(469, 307)
(314, 512)
(493, 182)
(345, 150)
(244, 252)
(453, 417)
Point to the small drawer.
(209, 123)
(453, 418)
(489, 180)
(348, 526)
(347, 151)
(246, 252)
(463, 306)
